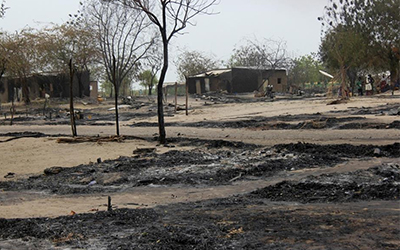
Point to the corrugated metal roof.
(214, 72)
(173, 83)
(217, 72)
(259, 68)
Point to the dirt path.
(27, 156)
(39, 204)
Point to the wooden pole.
(176, 96)
(12, 110)
(109, 206)
(187, 97)
(114, 76)
(71, 98)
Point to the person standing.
(368, 86)
(383, 84)
(359, 84)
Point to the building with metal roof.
(238, 80)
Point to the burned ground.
(289, 122)
(211, 167)
(301, 207)
(382, 183)
(263, 219)
(254, 221)
(235, 223)
(215, 166)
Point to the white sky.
(293, 21)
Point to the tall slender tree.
(170, 18)
(124, 35)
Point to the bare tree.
(124, 38)
(260, 55)
(170, 17)
(268, 53)
(3, 9)
(151, 65)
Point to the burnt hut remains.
(55, 85)
(238, 80)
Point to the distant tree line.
(118, 40)
(360, 37)
(121, 41)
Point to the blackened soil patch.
(214, 166)
(249, 221)
(313, 121)
(389, 109)
(78, 229)
(377, 183)
(209, 144)
(230, 223)
(393, 125)
(26, 134)
(343, 150)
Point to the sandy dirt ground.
(31, 156)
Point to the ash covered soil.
(357, 209)
(305, 206)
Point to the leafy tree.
(107, 88)
(376, 22)
(152, 63)
(170, 18)
(59, 43)
(305, 69)
(148, 79)
(20, 51)
(190, 63)
(345, 50)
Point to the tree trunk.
(352, 75)
(343, 85)
(187, 95)
(80, 84)
(160, 111)
(151, 83)
(394, 68)
(116, 109)
(160, 105)
(12, 110)
(25, 91)
(71, 99)
(116, 83)
(176, 96)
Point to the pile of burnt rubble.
(217, 164)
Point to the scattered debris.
(144, 151)
(9, 175)
(339, 101)
(53, 170)
(98, 139)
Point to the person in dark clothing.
(369, 85)
(359, 84)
